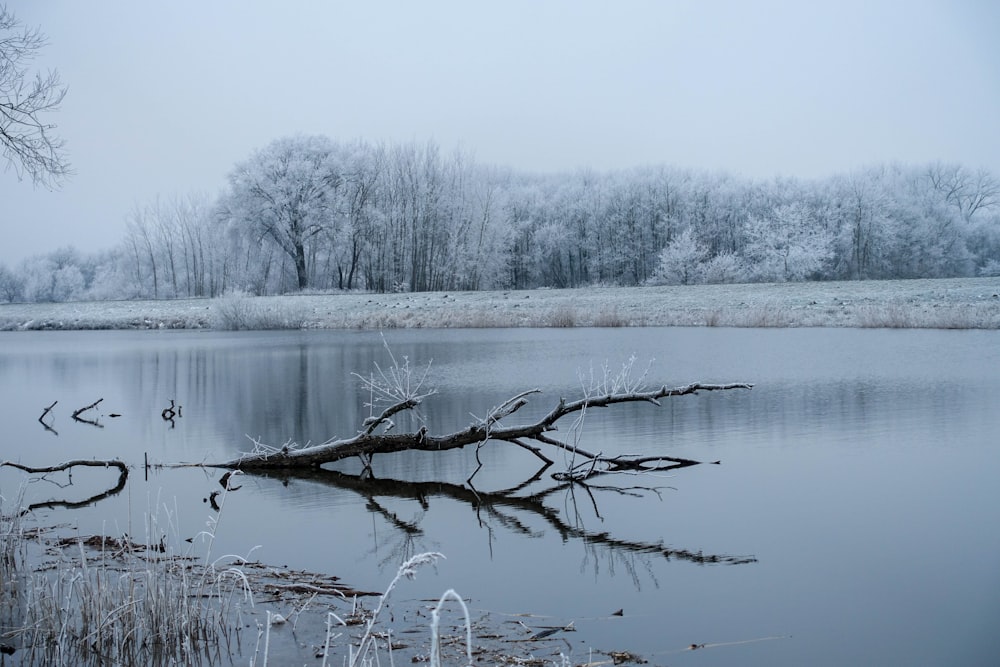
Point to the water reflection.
(508, 509)
(47, 474)
(855, 450)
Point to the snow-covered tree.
(789, 244)
(27, 141)
(286, 193)
(681, 261)
(54, 277)
(726, 268)
(11, 285)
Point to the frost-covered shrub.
(47, 284)
(990, 269)
(724, 269)
(237, 311)
(679, 262)
(564, 316)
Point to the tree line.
(311, 213)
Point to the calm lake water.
(857, 495)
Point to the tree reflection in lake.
(510, 509)
(855, 450)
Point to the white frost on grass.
(959, 303)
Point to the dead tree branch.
(113, 463)
(367, 443)
(80, 411)
(41, 418)
(46, 411)
(68, 466)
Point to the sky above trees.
(166, 99)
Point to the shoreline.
(944, 303)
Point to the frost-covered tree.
(362, 169)
(983, 241)
(970, 193)
(725, 268)
(859, 204)
(142, 252)
(929, 230)
(58, 276)
(27, 140)
(107, 278)
(285, 193)
(789, 244)
(11, 285)
(681, 261)
(990, 269)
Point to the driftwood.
(367, 442)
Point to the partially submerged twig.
(170, 412)
(80, 411)
(46, 411)
(41, 418)
(68, 466)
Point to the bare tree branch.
(68, 466)
(366, 444)
(26, 140)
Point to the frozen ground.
(943, 303)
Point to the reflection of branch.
(408, 527)
(532, 505)
(41, 418)
(69, 504)
(168, 413)
(76, 413)
(612, 464)
(92, 422)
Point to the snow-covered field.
(943, 303)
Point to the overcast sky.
(164, 98)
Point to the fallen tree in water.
(399, 389)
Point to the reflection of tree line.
(304, 391)
(510, 508)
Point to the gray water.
(854, 518)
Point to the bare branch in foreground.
(68, 466)
(113, 463)
(366, 443)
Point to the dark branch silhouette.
(368, 443)
(45, 413)
(68, 466)
(507, 506)
(84, 420)
(27, 141)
